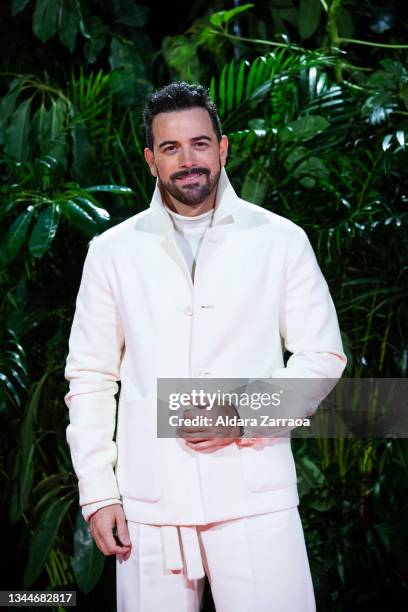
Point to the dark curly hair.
(176, 96)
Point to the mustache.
(197, 171)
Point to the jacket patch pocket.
(268, 465)
(139, 465)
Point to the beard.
(194, 192)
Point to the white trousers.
(252, 563)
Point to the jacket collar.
(226, 205)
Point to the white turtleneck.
(190, 233)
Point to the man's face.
(187, 157)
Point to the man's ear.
(223, 149)
(149, 157)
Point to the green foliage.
(88, 560)
(44, 537)
(316, 134)
(13, 370)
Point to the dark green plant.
(316, 135)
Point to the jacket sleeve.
(92, 369)
(308, 321)
(309, 330)
(89, 509)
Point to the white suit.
(257, 288)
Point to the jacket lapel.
(159, 222)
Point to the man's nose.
(187, 158)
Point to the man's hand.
(102, 522)
(206, 437)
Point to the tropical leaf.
(45, 18)
(255, 185)
(16, 136)
(14, 239)
(18, 5)
(88, 561)
(309, 17)
(83, 151)
(118, 189)
(98, 214)
(223, 17)
(68, 23)
(43, 539)
(242, 86)
(7, 106)
(129, 13)
(24, 466)
(80, 217)
(98, 36)
(44, 230)
(13, 370)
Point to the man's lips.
(191, 178)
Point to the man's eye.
(200, 144)
(170, 148)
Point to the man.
(201, 284)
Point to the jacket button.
(188, 310)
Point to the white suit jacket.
(258, 288)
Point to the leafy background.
(313, 95)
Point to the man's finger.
(108, 543)
(123, 532)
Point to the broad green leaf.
(98, 37)
(230, 86)
(251, 77)
(56, 118)
(43, 539)
(400, 134)
(58, 151)
(255, 185)
(110, 189)
(222, 92)
(39, 127)
(15, 237)
(45, 18)
(16, 137)
(309, 17)
(27, 319)
(49, 483)
(18, 5)
(386, 143)
(311, 472)
(8, 391)
(83, 152)
(344, 22)
(24, 458)
(81, 219)
(21, 491)
(324, 503)
(223, 17)
(305, 167)
(45, 500)
(181, 54)
(129, 81)
(44, 230)
(88, 561)
(304, 128)
(68, 24)
(98, 214)
(240, 81)
(260, 76)
(7, 106)
(129, 13)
